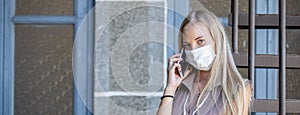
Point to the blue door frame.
(7, 58)
(7, 45)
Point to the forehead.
(194, 30)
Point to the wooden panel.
(292, 106)
(267, 21)
(44, 7)
(268, 61)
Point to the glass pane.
(243, 72)
(292, 7)
(293, 41)
(266, 83)
(44, 7)
(243, 41)
(265, 113)
(43, 69)
(220, 8)
(292, 84)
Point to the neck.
(203, 76)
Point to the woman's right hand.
(174, 79)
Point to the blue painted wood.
(1, 54)
(83, 63)
(79, 94)
(44, 20)
(9, 48)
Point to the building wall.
(128, 57)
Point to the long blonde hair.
(224, 72)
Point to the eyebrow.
(198, 37)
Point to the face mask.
(201, 58)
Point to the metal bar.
(266, 21)
(251, 41)
(1, 55)
(235, 18)
(251, 46)
(267, 61)
(44, 20)
(282, 62)
(91, 56)
(268, 105)
(9, 50)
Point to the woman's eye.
(200, 41)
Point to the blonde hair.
(224, 72)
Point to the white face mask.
(201, 58)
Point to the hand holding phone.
(175, 76)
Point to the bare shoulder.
(248, 90)
(248, 86)
(247, 93)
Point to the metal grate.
(281, 22)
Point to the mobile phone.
(182, 63)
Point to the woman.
(212, 84)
